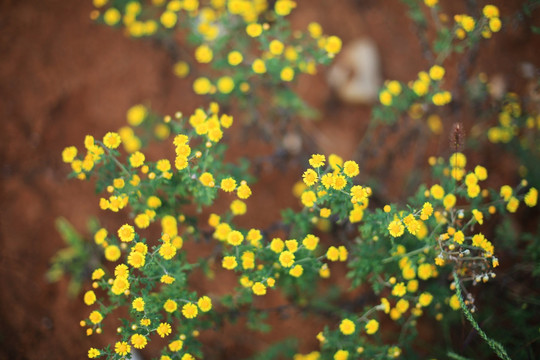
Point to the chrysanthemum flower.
(164, 329)
(190, 310)
(122, 348)
(347, 327)
(138, 341)
(112, 140)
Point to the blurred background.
(62, 77)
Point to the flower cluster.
(248, 43)
(420, 95)
(411, 251)
(406, 263)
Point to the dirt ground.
(62, 77)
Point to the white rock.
(355, 75)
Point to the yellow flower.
(204, 303)
(325, 212)
(284, 7)
(138, 341)
(308, 198)
(238, 207)
(315, 30)
(399, 289)
(436, 72)
(531, 198)
(229, 262)
(412, 285)
(324, 271)
(176, 345)
(69, 154)
(228, 184)
(112, 140)
(89, 297)
(454, 302)
(243, 191)
(425, 299)
(98, 274)
(168, 19)
(276, 47)
(347, 327)
(225, 84)
(136, 159)
(190, 310)
(136, 259)
(317, 160)
(333, 45)
(350, 168)
(372, 326)
(431, 3)
(512, 205)
(122, 348)
(164, 329)
(310, 177)
(95, 317)
(385, 97)
(396, 228)
(258, 289)
(449, 201)
(167, 279)
(93, 353)
(286, 258)
(394, 87)
(254, 29)
(170, 306)
(181, 69)
(425, 271)
(459, 237)
(420, 88)
(427, 211)
(506, 192)
(112, 253)
(310, 242)
(126, 233)
(142, 221)
(332, 253)
(258, 66)
(112, 16)
(207, 179)
(296, 271)
(478, 216)
(277, 245)
(495, 24)
(204, 54)
(167, 251)
(359, 194)
(138, 304)
(480, 172)
(402, 305)
(235, 238)
(202, 86)
(467, 23)
(490, 11)
(327, 180)
(100, 236)
(341, 355)
(343, 253)
(437, 191)
(234, 58)
(287, 74)
(339, 182)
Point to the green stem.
(494, 345)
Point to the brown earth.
(62, 77)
